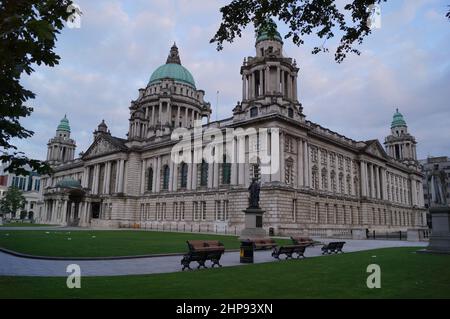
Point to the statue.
(254, 190)
(438, 187)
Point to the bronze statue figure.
(254, 190)
(438, 187)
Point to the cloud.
(404, 64)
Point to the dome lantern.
(173, 70)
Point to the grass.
(23, 225)
(103, 243)
(404, 274)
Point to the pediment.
(99, 147)
(374, 148)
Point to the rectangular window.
(203, 212)
(294, 210)
(225, 209)
(182, 210)
(175, 211)
(195, 210)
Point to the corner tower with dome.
(326, 184)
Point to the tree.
(303, 17)
(12, 201)
(28, 30)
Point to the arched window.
(289, 171)
(341, 183)
(150, 179)
(333, 181)
(324, 179)
(204, 173)
(166, 173)
(315, 178)
(290, 113)
(184, 173)
(349, 185)
(226, 171)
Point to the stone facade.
(326, 184)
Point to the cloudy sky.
(404, 64)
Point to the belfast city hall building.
(324, 183)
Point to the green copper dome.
(263, 32)
(64, 125)
(398, 120)
(68, 183)
(173, 70)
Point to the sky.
(404, 64)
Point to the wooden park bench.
(202, 251)
(303, 241)
(263, 243)
(333, 247)
(289, 250)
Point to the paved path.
(18, 266)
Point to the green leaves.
(12, 200)
(28, 30)
(303, 17)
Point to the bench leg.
(201, 263)
(215, 262)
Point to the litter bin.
(271, 231)
(246, 252)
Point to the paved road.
(18, 266)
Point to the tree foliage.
(303, 17)
(12, 201)
(28, 30)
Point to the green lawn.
(404, 274)
(103, 243)
(23, 225)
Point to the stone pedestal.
(440, 233)
(359, 234)
(1, 220)
(253, 224)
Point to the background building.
(29, 185)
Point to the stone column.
(194, 175)
(189, 176)
(278, 79)
(216, 175)
(154, 167)
(306, 164)
(143, 168)
(234, 164)
(171, 173)
(64, 211)
(158, 174)
(186, 122)
(177, 120)
(121, 173)
(420, 199)
(261, 82)
(363, 179)
(300, 173)
(384, 184)
(96, 177)
(266, 80)
(282, 160)
(377, 180)
(244, 86)
(210, 175)
(107, 178)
